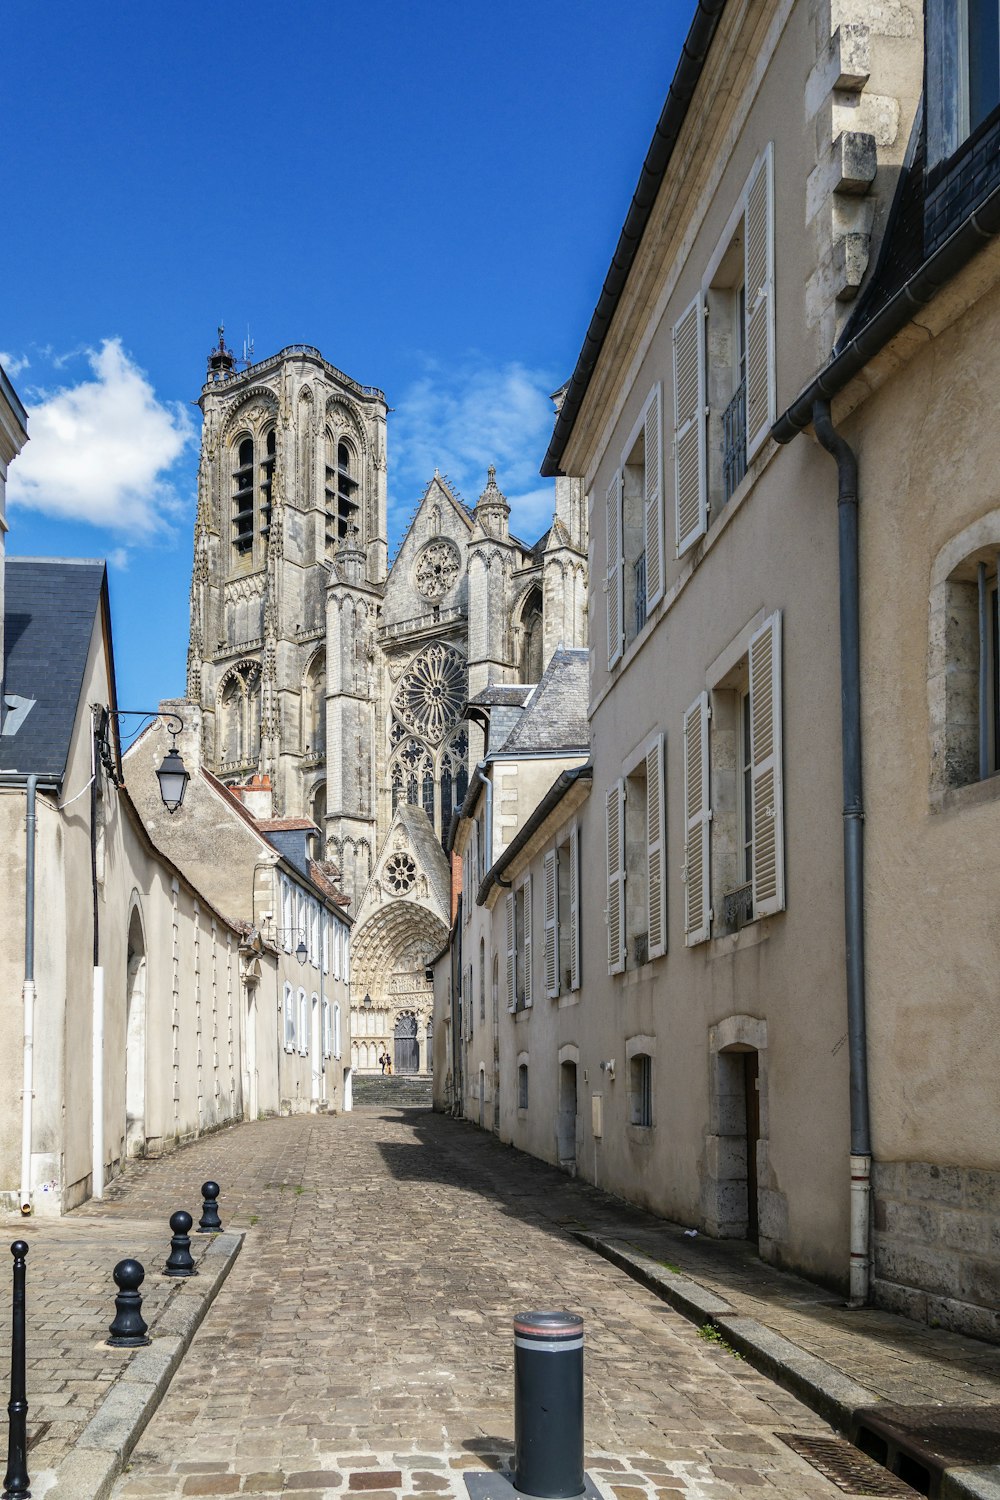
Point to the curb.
(833, 1395)
(103, 1447)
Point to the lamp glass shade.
(302, 952)
(173, 779)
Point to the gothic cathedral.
(333, 683)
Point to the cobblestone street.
(362, 1341)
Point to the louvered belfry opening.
(243, 497)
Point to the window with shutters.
(288, 1014)
(723, 359)
(302, 1029)
(639, 528)
(523, 944)
(640, 804)
(561, 881)
(636, 879)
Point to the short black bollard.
(16, 1481)
(209, 1223)
(548, 1404)
(129, 1329)
(180, 1261)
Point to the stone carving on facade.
(437, 568)
(429, 699)
(399, 873)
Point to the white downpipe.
(27, 1095)
(97, 1086)
(861, 1168)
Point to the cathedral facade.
(332, 683)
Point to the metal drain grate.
(853, 1472)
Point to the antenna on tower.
(248, 348)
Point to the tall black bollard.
(548, 1404)
(209, 1223)
(180, 1261)
(16, 1481)
(129, 1329)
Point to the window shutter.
(765, 758)
(289, 1020)
(697, 825)
(616, 564)
(653, 425)
(690, 457)
(615, 810)
(511, 967)
(338, 1041)
(656, 849)
(758, 263)
(574, 909)
(528, 992)
(552, 925)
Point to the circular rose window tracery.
(400, 873)
(430, 696)
(437, 568)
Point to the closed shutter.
(656, 848)
(511, 968)
(528, 991)
(289, 1017)
(697, 825)
(552, 925)
(758, 253)
(765, 760)
(574, 909)
(690, 457)
(615, 812)
(616, 564)
(653, 444)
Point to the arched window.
(243, 497)
(342, 490)
(314, 706)
(427, 792)
(238, 728)
(530, 662)
(397, 786)
(317, 811)
(482, 979)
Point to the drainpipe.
(487, 782)
(28, 997)
(854, 814)
(97, 998)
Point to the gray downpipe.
(28, 996)
(854, 814)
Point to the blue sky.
(430, 193)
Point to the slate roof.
(50, 605)
(556, 717)
(427, 847)
(510, 694)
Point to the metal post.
(209, 1223)
(16, 1481)
(548, 1404)
(129, 1329)
(180, 1261)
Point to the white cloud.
(118, 558)
(14, 363)
(101, 451)
(461, 418)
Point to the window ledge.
(565, 1001)
(954, 799)
(724, 946)
(640, 1135)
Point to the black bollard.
(16, 1481)
(209, 1223)
(548, 1404)
(129, 1329)
(180, 1261)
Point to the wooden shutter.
(574, 909)
(765, 760)
(615, 813)
(758, 264)
(289, 1017)
(511, 951)
(690, 456)
(616, 566)
(552, 925)
(656, 848)
(697, 824)
(528, 992)
(653, 435)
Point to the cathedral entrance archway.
(406, 1047)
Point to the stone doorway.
(566, 1123)
(406, 1047)
(736, 1147)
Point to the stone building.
(338, 680)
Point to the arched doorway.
(135, 1038)
(406, 1047)
(566, 1124)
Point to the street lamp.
(173, 776)
(367, 1002)
(301, 951)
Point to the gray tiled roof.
(426, 846)
(50, 605)
(556, 717)
(503, 693)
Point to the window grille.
(734, 440)
(640, 592)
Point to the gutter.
(562, 785)
(922, 287)
(672, 117)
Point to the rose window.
(429, 698)
(437, 568)
(400, 873)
